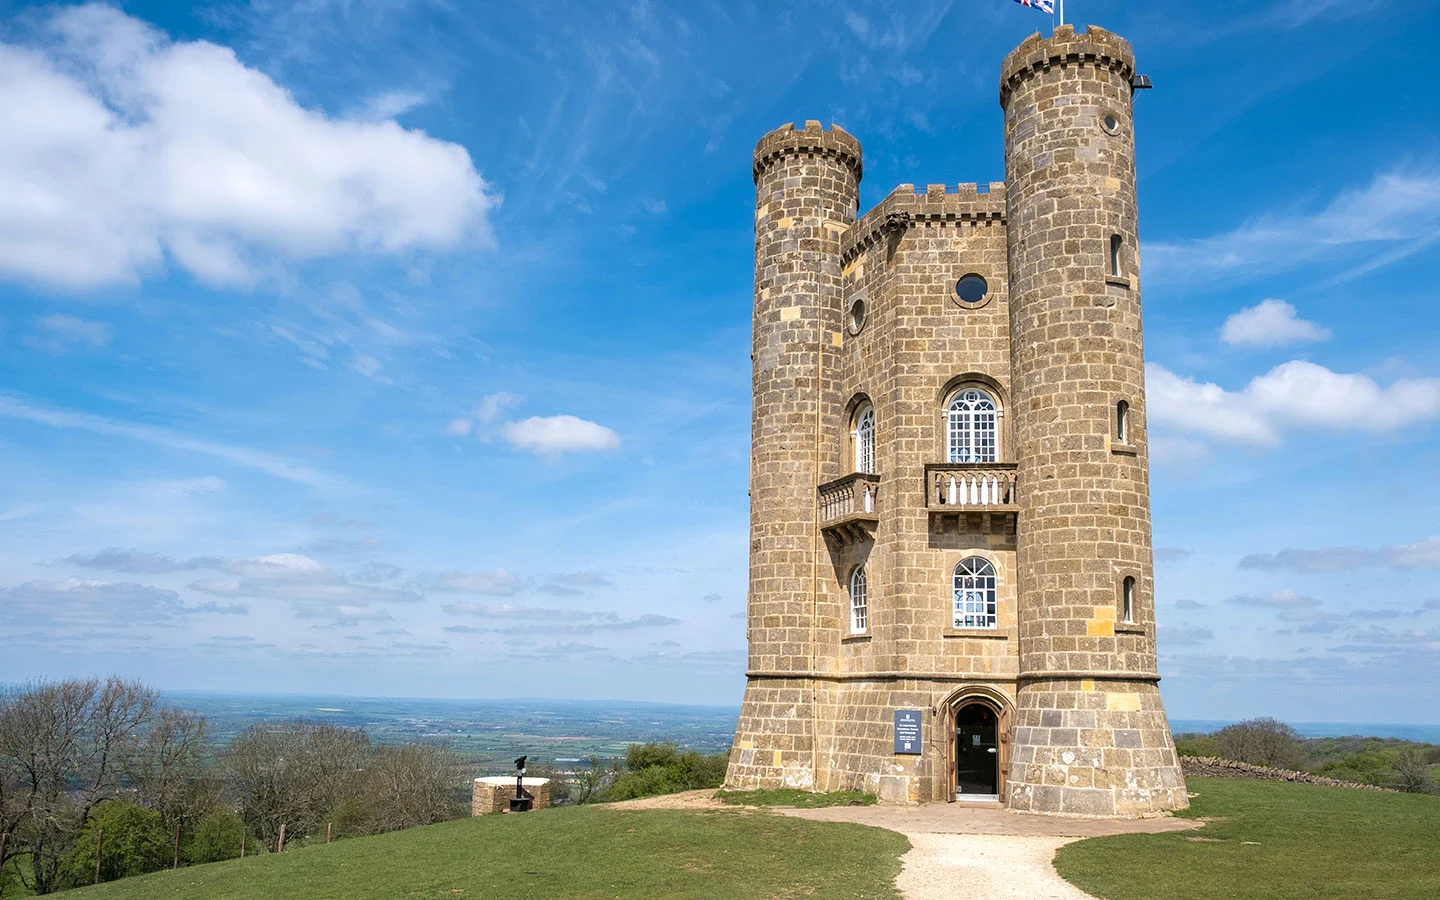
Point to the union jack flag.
(1045, 6)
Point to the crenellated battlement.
(1096, 47)
(981, 204)
(813, 139)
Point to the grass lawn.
(796, 798)
(578, 852)
(1272, 840)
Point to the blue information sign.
(907, 731)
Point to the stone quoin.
(949, 483)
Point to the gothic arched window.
(865, 440)
(859, 602)
(975, 601)
(971, 432)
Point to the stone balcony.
(955, 491)
(850, 506)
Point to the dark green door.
(977, 751)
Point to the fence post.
(177, 849)
(4, 839)
(280, 846)
(327, 831)
(99, 847)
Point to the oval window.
(1110, 123)
(972, 289)
(857, 316)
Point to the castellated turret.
(1091, 734)
(950, 564)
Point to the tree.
(407, 785)
(65, 747)
(1262, 742)
(136, 841)
(1412, 770)
(216, 837)
(169, 766)
(590, 782)
(293, 774)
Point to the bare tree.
(408, 785)
(169, 769)
(1412, 771)
(1261, 742)
(66, 746)
(293, 773)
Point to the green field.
(1272, 841)
(578, 852)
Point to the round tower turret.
(1091, 735)
(807, 184)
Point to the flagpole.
(1062, 12)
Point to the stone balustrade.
(980, 487)
(850, 503)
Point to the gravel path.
(984, 867)
(962, 852)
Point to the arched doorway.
(977, 741)
(977, 751)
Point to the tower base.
(774, 739)
(1093, 748)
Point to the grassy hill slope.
(1270, 840)
(584, 852)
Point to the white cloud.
(1293, 395)
(1398, 213)
(82, 602)
(495, 583)
(492, 406)
(1270, 323)
(559, 434)
(121, 149)
(1279, 599)
(459, 427)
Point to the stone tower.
(950, 565)
(807, 191)
(1091, 733)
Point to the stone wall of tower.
(806, 196)
(1091, 734)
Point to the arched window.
(864, 437)
(859, 602)
(1116, 243)
(1122, 422)
(975, 605)
(972, 433)
(1127, 600)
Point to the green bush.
(1196, 745)
(135, 841)
(217, 837)
(663, 768)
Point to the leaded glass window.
(972, 428)
(859, 602)
(865, 441)
(975, 603)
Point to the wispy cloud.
(61, 331)
(268, 463)
(1421, 554)
(1395, 216)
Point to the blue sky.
(402, 348)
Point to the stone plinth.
(493, 794)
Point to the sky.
(401, 348)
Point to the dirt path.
(958, 851)
(984, 854)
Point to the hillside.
(579, 852)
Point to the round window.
(1110, 123)
(972, 290)
(857, 316)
